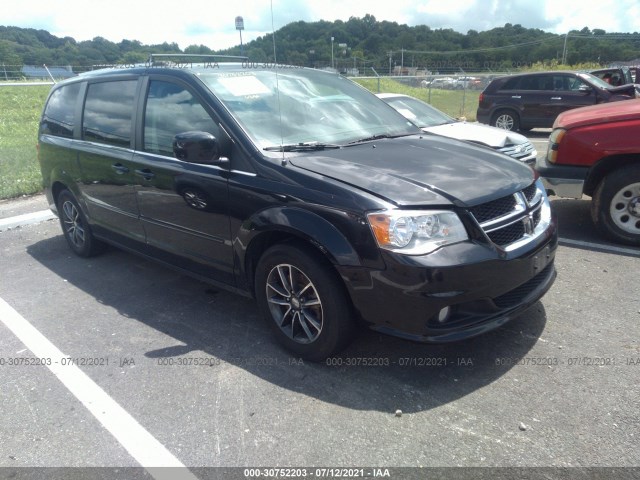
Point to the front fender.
(305, 225)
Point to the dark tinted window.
(108, 111)
(551, 82)
(172, 109)
(59, 114)
(512, 84)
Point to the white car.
(446, 83)
(432, 120)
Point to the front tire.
(615, 208)
(506, 119)
(75, 227)
(303, 302)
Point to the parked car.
(468, 83)
(615, 76)
(303, 190)
(445, 83)
(595, 151)
(531, 100)
(432, 120)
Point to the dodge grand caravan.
(303, 190)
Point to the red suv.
(596, 151)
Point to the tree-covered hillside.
(357, 43)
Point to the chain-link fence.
(456, 95)
(23, 91)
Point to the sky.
(211, 22)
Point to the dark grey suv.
(534, 100)
(303, 190)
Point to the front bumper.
(562, 180)
(483, 287)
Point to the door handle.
(516, 96)
(556, 98)
(119, 168)
(146, 174)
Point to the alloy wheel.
(73, 224)
(294, 303)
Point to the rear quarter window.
(59, 114)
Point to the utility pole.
(564, 50)
(332, 53)
(390, 55)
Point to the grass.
(456, 103)
(20, 110)
(21, 106)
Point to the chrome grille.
(530, 192)
(494, 209)
(518, 151)
(509, 234)
(508, 219)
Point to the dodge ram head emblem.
(528, 224)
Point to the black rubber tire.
(75, 227)
(503, 117)
(601, 204)
(337, 325)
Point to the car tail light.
(481, 97)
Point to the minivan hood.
(484, 134)
(425, 170)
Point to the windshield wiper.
(301, 147)
(381, 136)
(368, 139)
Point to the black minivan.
(303, 190)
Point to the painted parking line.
(599, 246)
(26, 219)
(139, 443)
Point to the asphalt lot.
(168, 371)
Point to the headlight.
(554, 142)
(416, 232)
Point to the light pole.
(240, 27)
(332, 53)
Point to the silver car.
(432, 120)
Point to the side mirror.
(584, 89)
(197, 147)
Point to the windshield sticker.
(406, 113)
(244, 86)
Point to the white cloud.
(609, 15)
(212, 23)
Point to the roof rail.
(191, 56)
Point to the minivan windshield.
(304, 107)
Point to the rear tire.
(303, 301)
(506, 119)
(75, 227)
(615, 207)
